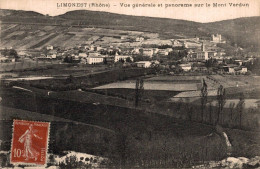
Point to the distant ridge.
(242, 31)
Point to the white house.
(185, 67)
(92, 47)
(148, 52)
(122, 57)
(163, 52)
(98, 48)
(243, 70)
(139, 39)
(203, 55)
(83, 55)
(144, 64)
(95, 59)
(53, 56)
(93, 54)
(229, 69)
(49, 47)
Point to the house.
(144, 64)
(49, 47)
(93, 54)
(83, 61)
(148, 52)
(95, 59)
(201, 55)
(98, 48)
(92, 47)
(53, 56)
(216, 38)
(229, 69)
(155, 62)
(164, 52)
(185, 67)
(136, 51)
(240, 62)
(139, 39)
(83, 55)
(241, 70)
(124, 37)
(175, 42)
(122, 57)
(211, 54)
(3, 59)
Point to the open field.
(176, 78)
(38, 37)
(23, 65)
(51, 69)
(151, 86)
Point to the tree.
(122, 60)
(221, 97)
(128, 59)
(13, 53)
(203, 95)
(69, 79)
(68, 59)
(105, 61)
(190, 110)
(10, 53)
(139, 88)
(231, 107)
(240, 107)
(210, 113)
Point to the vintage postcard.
(129, 84)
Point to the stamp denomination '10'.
(29, 142)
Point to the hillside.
(243, 31)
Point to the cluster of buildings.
(5, 59)
(195, 54)
(198, 52)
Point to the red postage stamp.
(30, 142)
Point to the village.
(172, 55)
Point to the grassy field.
(169, 83)
(66, 70)
(151, 86)
(23, 65)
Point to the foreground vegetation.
(140, 138)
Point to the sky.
(198, 14)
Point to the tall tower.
(202, 47)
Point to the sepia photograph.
(129, 84)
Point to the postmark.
(29, 142)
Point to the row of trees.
(221, 101)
